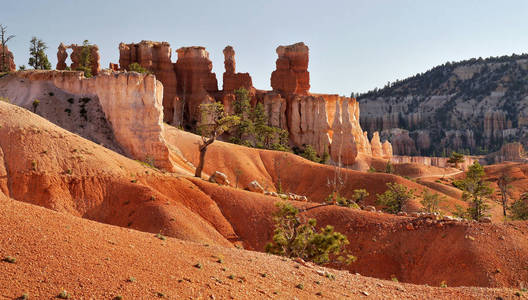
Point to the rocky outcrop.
(387, 150)
(220, 178)
(7, 59)
(291, 75)
(375, 143)
(435, 161)
(254, 186)
(231, 79)
(155, 57)
(76, 57)
(131, 102)
(197, 84)
(508, 152)
(62, 55)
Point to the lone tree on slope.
(456, 158)
(214, 122)
(503, 182)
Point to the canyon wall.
(135, 105)
(508, 152)
(131, 102)
(473, 106)
(7, 58)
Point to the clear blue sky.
(354, 45)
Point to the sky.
(355, 45)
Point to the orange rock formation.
(9, 59)
(75, 56)
(155, 57)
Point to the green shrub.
(310, 154)
(431, 202)
(63, 295)
(395, 197)
(389, 168)
(296, 238)
(337, 199)
(519, 208)
(476, 190)
(135, 67)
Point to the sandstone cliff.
(131, 102)
(135, 105)
(471, 106)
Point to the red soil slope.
(90, 260)
(413, 249)
(45, 165)
(296, 175)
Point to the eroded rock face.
(433, 161)
(62, 55)
(508, 152)
(308, 122)
(76, 55)
(8, 59)
(387, 150)
(377, 149)
(131, 102)
(275, 107)
(197, 83)
(291, 75)
(231, 79)
(155, 57)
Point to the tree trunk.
(199, 169)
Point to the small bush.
(431, 202)
(389, 168)
(63, 295)
(161, 236)
(135, 67)
(519, 208)
(198, 265)
(395, 197)
(10, 259)
(35, 104)
(295, 238)
(310, 154)
(131, 279)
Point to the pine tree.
(38, 58)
